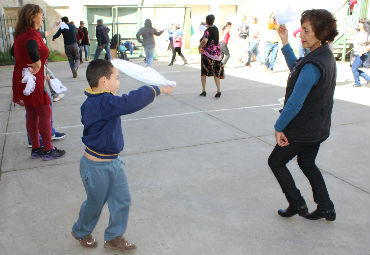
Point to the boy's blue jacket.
(100, 115)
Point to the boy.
(102, 171)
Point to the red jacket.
(38, 96)
(79, 34)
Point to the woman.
(147, 33)
(209, 49)
(177, 43)
(254, 41)
(31, 52)
(224, 42)
(361, 48)
(305, 120)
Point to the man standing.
(69, 32)
(84, 42)
(103, 39)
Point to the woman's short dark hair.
(210, 19)
(148, 23)
(323, 23)
(96, 69)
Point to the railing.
(348, 19)
(7, 26)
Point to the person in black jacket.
(305, 120)
(70, 44)
(84, 42)
(103, 39)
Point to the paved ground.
(197, 170)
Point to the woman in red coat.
(31, 52)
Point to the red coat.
(38, 96)
(79, 34)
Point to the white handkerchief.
(57, 86)
(147, 75)
(285, 15)
(63, 25)
(30, 81)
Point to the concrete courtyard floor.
(197, 170)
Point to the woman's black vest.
(312, 123)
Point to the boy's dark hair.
(210, 19)
(323, 23)
(96, 69)
(65, 19)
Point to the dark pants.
(224, 53)
(306, 155)
(178, 50)
(73, 55)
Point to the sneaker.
(58, 97)
(37, 153)
(74, 72)
(356, 85)
(248, 64)
(203, 94)
(88, 241)
(86, 59)
(120, 244)
(58, 136)
(53, 154)
(218, 94)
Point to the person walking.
(145, 36)
(244, 37)
(102, 37)
(84, 42)
(69, 32)
(272, 43)
(361, 48)
(30, 54)
(225, 54)
(210, 51)
(254, 41)
(305, 120)
(177, 43)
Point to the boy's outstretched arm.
(134, 101)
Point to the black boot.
(329, 215)
(291, 211)
(170, 64)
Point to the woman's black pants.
(306, 155)
(178, 50)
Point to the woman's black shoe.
(329, 215)
(203, 94)
(218, 94)
(291, 211)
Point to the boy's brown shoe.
(121, 244)
(88, 241)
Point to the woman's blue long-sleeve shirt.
(308, 77)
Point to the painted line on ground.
(166, 116)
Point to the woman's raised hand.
(283, 33)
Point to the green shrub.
(6, 59)
(55, 56)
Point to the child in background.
(102, 171)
